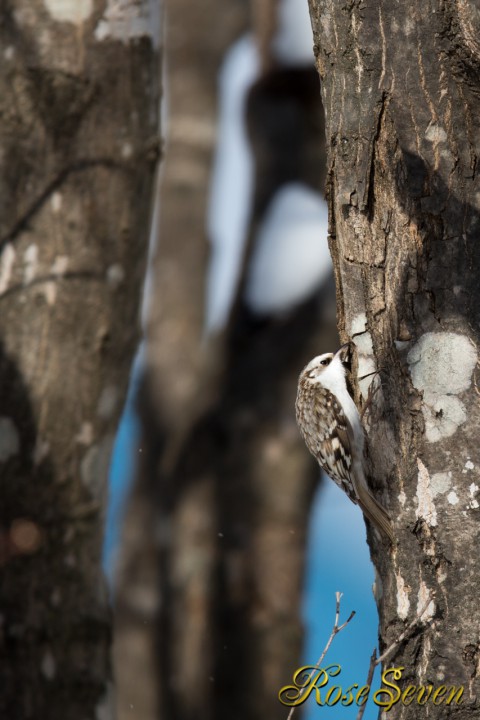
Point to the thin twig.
(371, 670)
(408, 630)
(335, 630)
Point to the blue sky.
(338, 560)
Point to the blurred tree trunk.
(401, 92)
(79, 96)
(178, 385)
(225, 482)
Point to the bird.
(331, 426)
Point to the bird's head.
(328, 364)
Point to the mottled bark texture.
(78, 135)
(401, 89)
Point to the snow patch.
(9, 439)
(6, 266)
(358, 324)
(364, 345)
(403, 603)
(441, 366)
(291, 258)
(426, 508)
(402, 498)
(366, 366)
(72, 11)
(125, 20)
(232, 183)
(469, 465)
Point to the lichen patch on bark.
(441, 366)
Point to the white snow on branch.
(232, 182)
(72, 11)
(441, 365)
(128, 19)
(291, 258)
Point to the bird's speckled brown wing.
(327, 433)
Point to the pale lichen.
(452, 498)
(441, 366)
(440, 483)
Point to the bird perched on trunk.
(330, 425)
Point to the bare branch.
(371, 670)
(408, 630)
(335, 630)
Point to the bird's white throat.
(333, 379)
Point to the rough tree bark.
(401, 92)
(79, 96)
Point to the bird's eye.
(325, 362)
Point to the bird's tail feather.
(375, 512)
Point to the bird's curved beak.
(344, 354)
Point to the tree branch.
(335, 630)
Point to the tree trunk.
(401, 92)
(79, 94)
